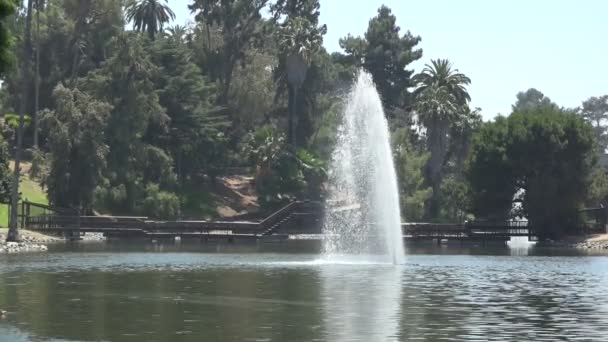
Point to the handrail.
(52, 218)
(276, 217)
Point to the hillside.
(30, 189)
(230, 196)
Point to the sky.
(505, 46)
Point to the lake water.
(283, 292)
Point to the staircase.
(277, 220)
(276, 226)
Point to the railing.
(496, 224)
(434, 230)
(48, 218)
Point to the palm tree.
(149, 15)
(177, 32)
(299, 40)
(441, 74)
(441, 98)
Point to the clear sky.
(557, 46)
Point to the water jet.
(362, 214)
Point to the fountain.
(362, 216)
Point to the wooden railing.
(54, 220)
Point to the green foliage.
(148, 15)
(455, 200)
(7, 8)
(253, 91)
(240, 24)
(282, 176)
(5, 174)
(10, 125)
(442, 109)
(595, 111)
(194, 124)
(135, 123)
(439, 74)
(533, 100)
(40, 168)
(76, 142)
(385, 53)
(160, 204)
(314, 172)
(409, 164)
(142, 126)
(543, 159)
(598, 189)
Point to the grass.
(30, 190)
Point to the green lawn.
(30, 190)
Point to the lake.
(285, 292)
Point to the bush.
(282, 176)
(160, 204)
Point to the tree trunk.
(84, 7)
(26, 59)
(228, 69)
(13, 232)
(292, 121)
(437, 147)
(37, 79)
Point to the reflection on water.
(460, 295)
(361, 301)
(519, 245)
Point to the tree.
(239, 22)
(595, 111)
(5, 173)
(440, 73)
(74, 39)
(531, 100)
(542, 159)
(299, 40)
(409, 164)
(385, 53)
(136, 122)
(281, 175)
(7, 8)
(149, 16)
(436, 108)
(195, 130)
(78, 150)
(441, 97)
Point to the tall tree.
(542, 159)
(595, 111)
(441, 99)
(135, 122)
(531, 100)
(39, 8)
(409, 164)
(239, 23)
(300, 38)
(436, 109)
(78, 150)
(195, 128)
(440, 73)
(7, 8)
(149, 16)
(386, 54)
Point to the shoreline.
(30, 242)
(594, 241)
